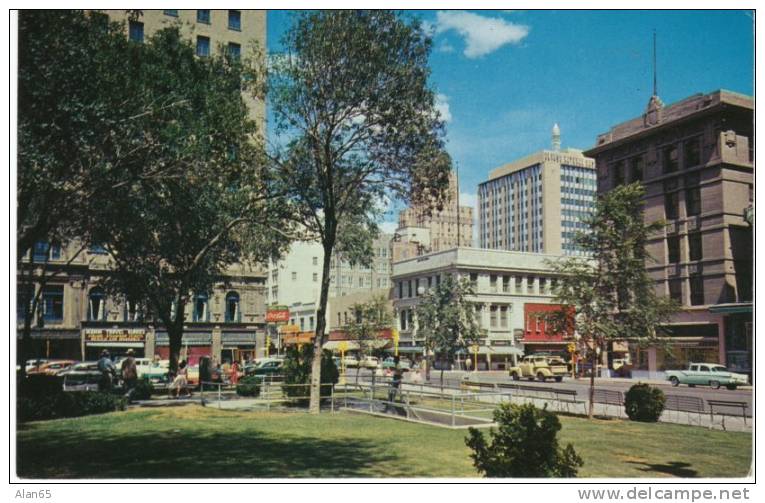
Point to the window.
(361, 281)
(670, 206)
(315, 260)
(618, 170)
(310, 323)
(474, 280)
(506, 284)
(697, 290)
(493, 316)
(97, 305)
(542, 286)
(234, 20)
(233, 314)
(493, 283)
(676, 290)
(691, 153)
(201, 313)
(53, 303)
(673, 249)
(24, 297)
(518, 285)
(503, 316)
(316, 277)
(409, 288)
(235, 51)
(636, 169)
(55, 251)
(294, 275)
(693, 201)
(669, 159)
(530, 284)
(171, 12)
(417, 287)
(203, 46)
(132, 311)
(400, 289)
(135, 31)
(41, 251)
(203, 16)
(402, 319)
(695, 251)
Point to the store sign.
(114, 335)
(277, 314)
(298, 338)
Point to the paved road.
(581, 386)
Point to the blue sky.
(506, 76)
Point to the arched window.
(233, 313)
(132, 310)
(201, 311)
(97, 305)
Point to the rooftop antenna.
(654, 63)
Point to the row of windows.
(52, 306)
(586, 203)
(695, 286)
(692, 203)
(578, 192)
(136, 31)
(695, 248)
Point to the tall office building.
(695, 158)
(538, 203)
(421, 232)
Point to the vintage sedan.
(707, 374)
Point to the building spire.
(556, 138)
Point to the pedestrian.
(180, 382)
(395, 383)
(468, 364)
(234, 373)
(129, 375)
(108, 372)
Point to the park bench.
(609, 397)
(568, 397)
(479, 385)
(685, 403)
(726, 404)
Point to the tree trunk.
(175, 335)
(593, 370)
(427, 364)
(318, 341)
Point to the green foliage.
(297, 371)
(68, 404)
(524, 446)
(249, 386)
(446, 319)
(368, 320)
(357, 126)
(644, 403)
(41, 385)
(143, 390)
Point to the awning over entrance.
(731, 308)
(335, 345)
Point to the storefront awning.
(190, 339)
(731, 309)
(493, 350)
(335, 345)
(114, 344)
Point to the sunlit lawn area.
(192, 441)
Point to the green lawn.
(192, 441)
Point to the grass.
(194, 442)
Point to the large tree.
(446, 320)
(609, 290)
(171, 238)
(357, 123)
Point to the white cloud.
(445, 46)
(482, 34)
(442, 106)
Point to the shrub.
(68, 404)
(248, 386)
(40, 385)
(297, 370)
(525, 445)
(644, 403)
(143, 390)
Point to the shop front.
(536, 336)
(116, 340)
(238, 346)
(54, 344)
(193, 346)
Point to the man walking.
(106, 367)
(129, 375)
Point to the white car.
(143, 366)
(350, 361)
(369, 362)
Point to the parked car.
(33, 364)
(91, 366)
(369, 362)
(52, 367)
(540, 367)
(350, 361)
(269, 366)
(157, 372)
(707, 374)
(81, 380)
(142, 365)
(390, 363)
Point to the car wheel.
(515, 376)
(558, 379)
(691, 385)
(731, 386)
(540, 376)
(675, 381)
(714, 384)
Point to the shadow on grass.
(676, 468)
(188, 454)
